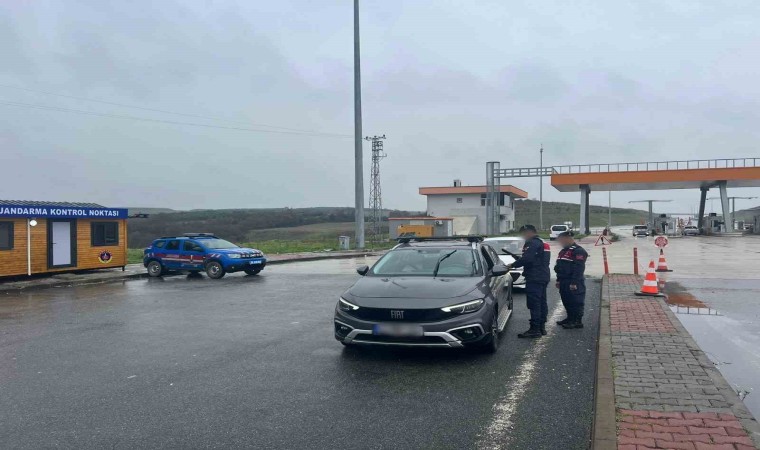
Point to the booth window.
(104, 233)
(6, 235)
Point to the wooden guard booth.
(46, 237)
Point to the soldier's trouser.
(536, 299)
(573, 300)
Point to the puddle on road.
(679, 296)
(727, 336)
(682, 301)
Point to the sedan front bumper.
(457, 332)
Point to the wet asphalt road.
(251, 362)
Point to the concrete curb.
(740, 410)
(136, 271)
(604, 428)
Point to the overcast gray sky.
(452, 84)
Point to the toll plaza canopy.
(701, 174)
(694, 174)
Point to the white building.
(467, 206)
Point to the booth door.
(61, 236)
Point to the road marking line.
(495, 436)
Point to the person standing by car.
(535, 261)
(570, 268)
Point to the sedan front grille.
(400, 315)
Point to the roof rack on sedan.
(468, 238)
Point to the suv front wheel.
(215, 270)
(155, 269)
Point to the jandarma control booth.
(42, 237)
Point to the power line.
(164, 111)
(171, 122)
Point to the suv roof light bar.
(190, 235)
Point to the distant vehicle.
(435, 292)
(197, 252)
(555, 230)
(690, 230)
(509, 249)
(640, 230)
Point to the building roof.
(57, 204)
(420, 218)
(444, 190)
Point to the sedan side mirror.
(362, 270)
(499, 270)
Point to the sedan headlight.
(233, 255)
(346, 306)
(463, 308)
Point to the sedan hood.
(413, 287)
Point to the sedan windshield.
(512, 245)
(216, 244)
(442, 262)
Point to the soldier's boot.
(543, 330)
(564, 321)
(532, 333)
(575, 323)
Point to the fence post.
(604, 256)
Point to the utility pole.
(541, 190)
(358, 162)
(375, 194)
(651, 216)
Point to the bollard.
(635, 261)
(604, 256)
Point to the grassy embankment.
(305, 238)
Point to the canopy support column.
(585, 209)
(702, 201)
(728, 223)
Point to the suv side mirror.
(499, 270)
(362, 270)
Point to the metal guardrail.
(521, 172)
(655, 165)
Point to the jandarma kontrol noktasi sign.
(43, 211)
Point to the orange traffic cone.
(650, 288)
(662, 266)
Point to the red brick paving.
(639, 430)
(640, 316)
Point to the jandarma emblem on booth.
(105, 256)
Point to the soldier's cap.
(565, 234)
(528, 228)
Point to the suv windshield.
(450, 262)
(559, 228)
(216, 244)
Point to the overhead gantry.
(663, 175)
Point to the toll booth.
(46, 237)
(666, 225)
(714, 223)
